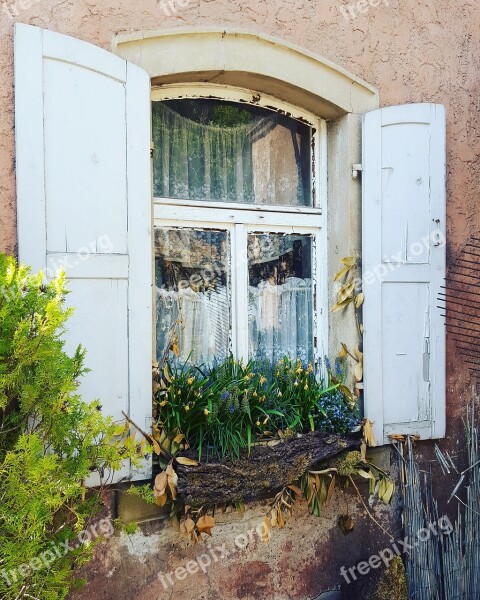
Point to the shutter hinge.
(152, 148)
(356, 169)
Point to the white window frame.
(240, 219)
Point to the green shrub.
(224, 408)
(50, 440)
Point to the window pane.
(228, 152)
(280, 307)
(193, 293)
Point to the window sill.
(307, 210)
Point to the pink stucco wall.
(412, 51)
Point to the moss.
(346, 465)
(393, 582)
(388, 583)
(130, 528)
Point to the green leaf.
(240, 508)
(365, 474)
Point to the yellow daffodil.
(309, 368)
(295, 383)
(206, 412)
(262, 399)
(187, 408)
(190, 380)
(262, 380)
(266, 421)
(306, 386)
(163, 403)
(299, 370)
(279, 393)
(258, 423)
(254, 394)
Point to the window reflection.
(193, 293)
(280, 296)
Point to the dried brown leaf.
(161, 482)
(187, 462)
(205, 524)
(331, 489)
(363, 451)
(349, 261)
(273, 517)
(266, 530)
(280, 519)
(161, 500)
(172, 480)
(358, 372)
(359, 299)
(368, 433)
(189, 525)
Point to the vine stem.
(367, 509)
(144, 433)
(324, 472)
(147, 435)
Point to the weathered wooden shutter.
(403, 269)
(83, 201)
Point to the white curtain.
(257, 162)
(201, 162)
(281, 320)
(201, 320)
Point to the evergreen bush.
(50, 441)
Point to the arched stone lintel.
(249, 60)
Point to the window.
(239, 244)
(108, 146)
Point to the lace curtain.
(264, 161)
(201, 162)
(200, 320)
(280, 322)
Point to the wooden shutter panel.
(403, 269)
(84, 203)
